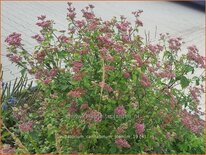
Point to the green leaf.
(184, 82)
(189, 68)
(198, 82)
(23, 71)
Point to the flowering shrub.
(104, 90)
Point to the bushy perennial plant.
(104, 90)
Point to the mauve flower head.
(137, 13)
(44, 24)
(155, 48)
(105, 86)
(125, 38)
(88, 15)
(138, 59)
(76, 93)
(38, 75)
(193, 55)
(139, 128)
(105, 55)
(14, 58)
(40, 56)
(47, 80)
(118, 47)
(77, 65)
(122, 143)
(42, 17)
(63, 39)
(166, 74)
(71, 15)
(144, 80)
(7, 149)
(84, 106)
(138, 22)
(195, 92)
(69, 3)
(26, 127)
(126, 75)
(109, 68)
(105, 40)
(164, 36)
(14, 39)
(91, 6)
(38, 38)
(93, 25)
(151, 69)
(80, 23)
(73, 107)
(53, 72)
(120, 110)
(91, 116)
(175, 44)
(123, 26)
(192, 122)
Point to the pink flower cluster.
(42, 23)
(26, 127)
(192, 122)
(123, 26)
(138, 59)
(166, 74)
(139, 128)
(84, 106)
(155, 48)
(76, 93)
(71, 14)
(175, 43)
(105, 40)
(144, 80)
(122, 143)
(105, 55)
(77, 65)
(126, 75)
(14, 39)
(46, 75)
(14, 58)
(194, 56)
(120, 110)
(73, 107)
(105, 86)
(38, 38)
(80, 23)
(91, 116)
(63, 39)
(89, 15)
(40, 56)
(137, 14)
(195, 92)
(109, 68)
(119, 48)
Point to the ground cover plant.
(103, 89)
